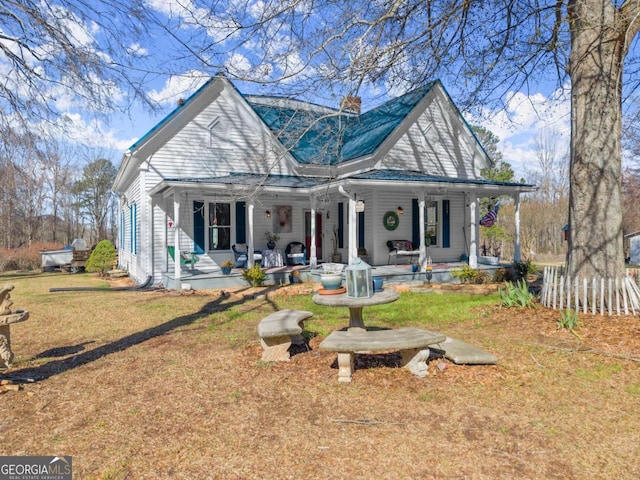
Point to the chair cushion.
(296, 249)
(241, 247)
(405, 245)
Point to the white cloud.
(137, 50)
(523, 118)
(218, 28)
(238, 65)
(177, 87)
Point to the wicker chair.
(240, 255)
(296, 253)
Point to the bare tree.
(631, 193)
(487, 48)
(552, 172)
(482, 50)
(93, 190)
(69, 52)
(58, 162)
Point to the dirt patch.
(170, 385)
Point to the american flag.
(490, 218)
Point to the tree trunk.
(595, 198)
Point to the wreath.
(390, 220)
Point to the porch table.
(272, 258)
(356, 305)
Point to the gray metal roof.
(290, 181)
(411, 176)
(285, 181)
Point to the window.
(219, 226)
(431, 223)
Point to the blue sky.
(170, 74)
(517, 126)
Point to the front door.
(307, 233)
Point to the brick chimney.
(351, 104)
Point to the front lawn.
(159, 384)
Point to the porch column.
(423, 246)
(250, 248)
(146, 247)
(313, 254)
(473, 230)
(516, 241)
(353, 245)
(353, 230)
(176, 236)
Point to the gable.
(366, 133)
(214, 132)
(436, 141)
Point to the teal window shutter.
(446, 225)
(133, 216)
(341, 225)
(360, 229)
(415, 222)
(198, 227)
(241, 222)
(123, 225)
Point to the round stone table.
(356, 305)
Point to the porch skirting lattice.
(606, 296)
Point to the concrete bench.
(412, 342)
(278, 331)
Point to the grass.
(157, 384)
(434, 310)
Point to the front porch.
(392, 274)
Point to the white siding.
(377, 235)
(438, 143)
(237, 143)
(127, 259)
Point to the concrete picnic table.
(356, 305)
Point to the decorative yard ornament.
(7, 317)
(359, 282)
(491, 216)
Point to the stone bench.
(412, 342)
(278, 331)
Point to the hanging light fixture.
(267, 213)
(400, 211)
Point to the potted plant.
(336, 256)
(254, 275)
(271, 238)
(331, 276)
(226, 266)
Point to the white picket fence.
(604, 296)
